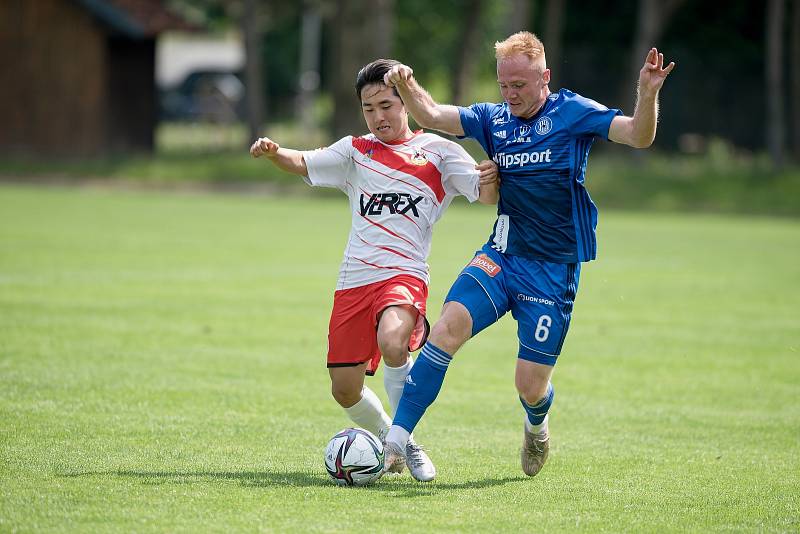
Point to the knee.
(345, 395)
(451, 331)
(532, 392)
(394, 348)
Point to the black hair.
(373, 73)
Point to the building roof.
(136, 19)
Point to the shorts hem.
(537, 357)
(368, 371)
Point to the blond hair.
(520, 43)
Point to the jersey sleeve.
(330, 166)
(459, 176)
(475, 121)
(585, 117)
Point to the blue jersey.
(544, 212)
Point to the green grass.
(162, 369)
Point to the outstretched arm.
(420, 103)
(284, 158)
(639, 131)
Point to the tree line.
(737, 75)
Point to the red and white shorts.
(352, 333)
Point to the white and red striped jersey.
(397, 192)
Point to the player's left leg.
(536, 395)
(544, 293)
(395, 327)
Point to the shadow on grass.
(405, 486)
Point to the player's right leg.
(352, 353)
(360, 403)
(476, 300)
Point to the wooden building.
(78, 76)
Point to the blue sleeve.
(476, 123)
(585, 117)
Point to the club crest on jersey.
(544, 125)
(368, 154)
(485, 264)
(419, 158)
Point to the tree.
(464, 67)
(253, 69)
(519, 16)
(774, 82)
(652, 19)
(309, 75)
(795, 88)
(355, 30)
(553, 38)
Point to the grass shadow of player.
(400, 486)
(245, 478)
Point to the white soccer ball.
(354, 457)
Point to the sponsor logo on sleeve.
(485, 263)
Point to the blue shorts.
(538, 293)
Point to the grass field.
(162, 369)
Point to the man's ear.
(546, 76)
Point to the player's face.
(384, 113)
(523, 84)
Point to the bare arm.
(428, 114)
(285, 159)
(639, 131)
(489, 192)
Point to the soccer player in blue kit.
(545, 226)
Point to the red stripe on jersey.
(390, 177)
(387, 249)
(389, 231)
(399, 161)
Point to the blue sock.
(422, 386)
(537, 412)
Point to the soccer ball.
(354, 457)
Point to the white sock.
(368, 413)
(399, 436)
(541, 428)
(394, 378)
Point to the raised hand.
(653, 73)
(264, 146)
(398, 74)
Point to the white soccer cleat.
(394, 459)
(420, 466)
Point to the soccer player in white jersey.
(399, 183)
(545, 226)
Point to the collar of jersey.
(401, 141)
